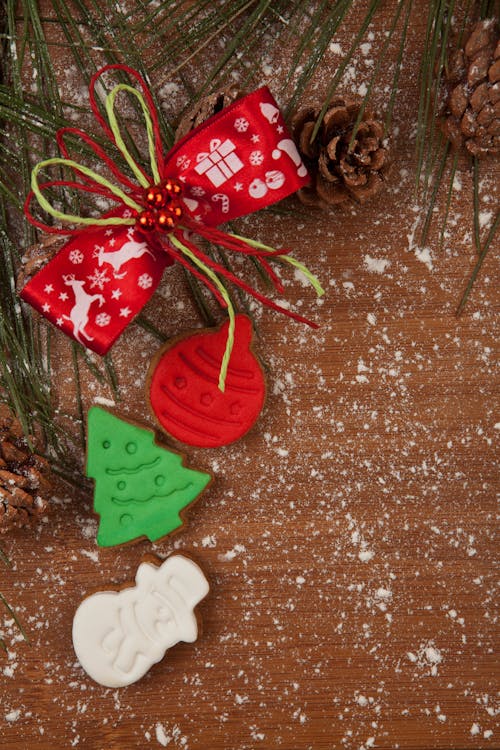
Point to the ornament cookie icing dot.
(119, 634)
(183, 390)
(141, 488)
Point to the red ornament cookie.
(183, 387)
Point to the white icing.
(119, 635)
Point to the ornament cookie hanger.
(158, 208)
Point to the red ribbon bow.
(237, 162)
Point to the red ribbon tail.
(229, 242)
(275, 279)
(250, 290)
(192, 269)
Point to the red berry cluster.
(163, 206)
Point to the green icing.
(140, 487)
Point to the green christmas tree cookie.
(140, 487)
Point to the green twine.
(44, 203)
(225, 296)
(115, 129)
(288, 259)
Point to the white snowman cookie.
(119, 635)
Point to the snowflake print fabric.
(145, 281)
(256, 158)
(76, 256)
(241, 125)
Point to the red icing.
(184, 393)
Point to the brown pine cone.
(36, 256)
(205, 108)
(340, 173)
(24, 477)
(472, 117)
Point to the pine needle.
(145, 324)
(112, 376)
(475, 181)
(444, 21)
(5, 558)
(380, 61)
(7, 562)
(315, 38)
(78, 388)
(437, 183)
(372, 9)
(15, 618)
(478, 265)
(210, 38)
(397, 70)
(448, 199)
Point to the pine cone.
(36, 256)
(205, 108)
(338, 173)
(24, 477)
(472, 117)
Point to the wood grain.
(349, 539)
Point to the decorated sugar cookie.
(119, 635)
(183, 386)
(141, 488)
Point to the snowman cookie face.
(119, 635)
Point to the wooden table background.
(349, 539)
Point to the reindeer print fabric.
(113, 274)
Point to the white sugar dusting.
(427, 656)
(13, 715)
(161, 736)
(232, 553)
(376, 265)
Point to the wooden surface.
(348, 539)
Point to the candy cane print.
(287, 146)
(224, 201)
